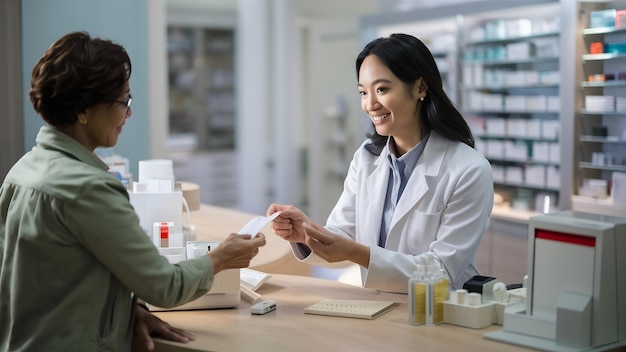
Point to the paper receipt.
(255, 225)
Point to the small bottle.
(437, 292)
(417, 297)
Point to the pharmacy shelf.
(620, 83)
(602, 113)
(509, 88)
(527, 186)
(522, 139)
(603, 57)
(503, 212)
(492, 42)
(521, 162)
(507, 62)
(602, 30)
(509, 112)
(598, 206)
(588, 165)
(589, 145)
(595, 139)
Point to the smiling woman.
(415, 188)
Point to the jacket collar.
(426, 171)
(51, 138)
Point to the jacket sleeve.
(103, 220)
(341, 219)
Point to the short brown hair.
(76, 73)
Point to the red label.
(566, 237)
(164, 230)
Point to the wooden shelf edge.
(598, 206)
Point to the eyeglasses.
(126, 103)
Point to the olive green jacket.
(73, 256)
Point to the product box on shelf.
(620, 19)
(602, 18)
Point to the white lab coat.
(444, 209)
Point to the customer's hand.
(288, 224)
(236, 251)
(147, 326)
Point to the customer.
(73, 257)
(416, 186)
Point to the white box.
(535, 175)
(521, 27)
(496, 127)
(553, 177)
(553, 104)
(475, 317)
(514, 79)
(498, 173)
(494, 149)
(550, 129)
(516, 127)
(600, 103)
(541, 151)
(536, 103)
(520, 51)
(555, 153)
(514, 175)
(618, 190)
(514, 103)
(549, 77)
(533, 128)
(515, 151)
(492, 102)
(531, 78)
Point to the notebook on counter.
(350, 308)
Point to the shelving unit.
(201, 139)
(510, 84)
(602, 119)
(201, 81)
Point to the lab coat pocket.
(421, 230)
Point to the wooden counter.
(289, 329)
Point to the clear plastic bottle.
(437, 292)
(417, 297)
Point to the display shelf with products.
(201, 86)
(602, 119)
(510, 97)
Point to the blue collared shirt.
(400, 170)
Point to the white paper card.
(255, 225)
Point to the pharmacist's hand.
(335, 248)
(147, 326)
(288, 224)
(236, 251)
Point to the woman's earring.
(82, 121)
(422, 99)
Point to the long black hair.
(409, 59)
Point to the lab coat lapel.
(425, 173)
(375, 201)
